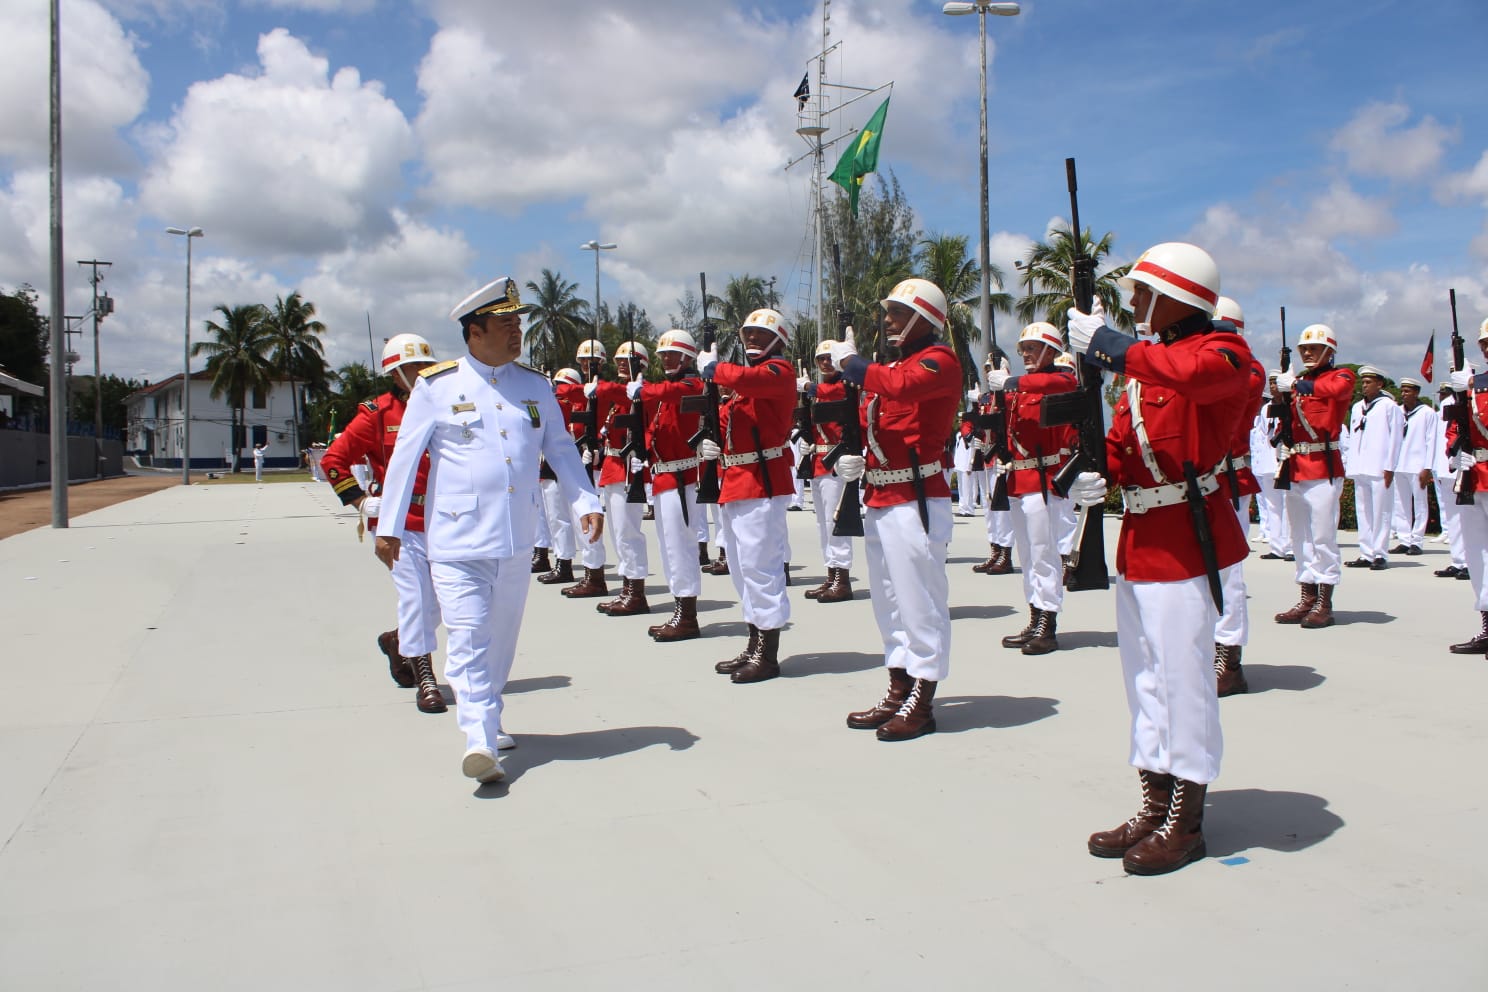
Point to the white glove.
(636, 465)
(633, 389)
(997, 380)
(980, 444)
(372, 506)
(1461, 379)
(805, 447)
(1283, 452)
(973, 396)
(588, 456)
(590, 388)
(1465, 461)
(1285, 382)
(844, 349)
(1082, 326)
(709, 357)
(1089, 489)
(850, 467)
(709, 451)
(803, 383)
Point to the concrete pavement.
(212, 783)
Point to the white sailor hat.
(497, 296)
(1407, 380)
(1371, 370)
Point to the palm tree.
(298, 353)
(560, 321)
(1046, 277)
(237, 359)
(943, 260)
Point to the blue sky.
(386, 158)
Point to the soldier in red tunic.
(568, 388)
(615, 475)
(591, 357)
(1171, 431)
(909, 416)
(756, 486)
(1472, 461)
(826, 488)
(371, 435)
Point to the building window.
(260, 435)
(259, 400)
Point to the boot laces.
(910, 701)
(1170, 823)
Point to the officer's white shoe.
(482, 765)
(504, 741)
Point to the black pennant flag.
(803, 92)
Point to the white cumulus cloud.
(1376, 142)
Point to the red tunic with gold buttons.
(1026, 438)
(1477, 400)
(1320, 399)
(371, 435)
(764, 402)
(1240, 445)
(912, 405)
(612, 403)
(669, 428)
(826, 434)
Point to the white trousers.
(1312, 509)
(1164, 632)
(1233, 626)
(907, 579)
(542, 534)
(969, 487)
(1036, 533)
(678, 540)
(837, 552)
(1474, 522)
(418, 607)
(483, 601)
(1451, 520)
(1411, 510)
(1068, 519)
(999, 523)
(752, 532)
(1276, 526)
(623, 521)
(1372, 504)
(560, 519)
(590, 554)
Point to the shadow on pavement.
(956, 714)
(798, 666)
(1288, 678)
(731, 628)
(537, 683)
(589, 745)
(1237, 820)
(1091, 639)
(710, 605)
(1362, 616)
(991, 612)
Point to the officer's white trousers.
(1233, 626)
(591, 554)
(542, 534)
(483, 601)
(1036, 532)
(678, 540)
(1312, 509)
(1451, 521)
(1164, 631)
(560, 519)
(418, 607)
(1411, 510)
(1068, 519)
(907, 579)
(1474, 522)
(1372, 505)
(969, 487)
(623, 521)
(1276, 525)
(752, 532)
(837, 552)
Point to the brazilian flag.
(861, 156)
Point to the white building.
(154, 427)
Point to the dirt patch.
(25, 511)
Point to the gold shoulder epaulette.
(439, 369)
(530, 368)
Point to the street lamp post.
(188, 234)
(596, 246)
(983, 8)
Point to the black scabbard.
(919, 488)
(1043, 471)
(682, 495)
(1234, 478)
(1200, 519)
(759, 448)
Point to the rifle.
(589, 418)
(1467, 483)
(634, 424)
(1281, 409)
(848, 519)
(805, 428)
(1085, 407)
(706, 404)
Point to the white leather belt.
(822, 449)
(1238, 463)
(1054, 459)
(1480, 454)
(680, 465)
(1312, 447)
(1140, 500)
(611, 452)
(750, 457)
(889, 476)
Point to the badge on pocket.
(532, 415)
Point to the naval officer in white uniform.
(484, 420)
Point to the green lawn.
(246, 478)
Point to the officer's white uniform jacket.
(1262, 452)
(1375, 429)
(1420, 434)
(484, 429)
(1441, 464)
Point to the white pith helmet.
(923, 297)
(592, 348)
(1228, 309)
(404, 349)
(679, 341)
(1044, 333)
(1318, 334)
(770, 320)
(1177, 270)
(824, 350)
(570, 376)
(629, 350)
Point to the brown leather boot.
(1004, 564)
(883, 711)
(720, 566)
(1322, 611)
(593, 584)
(764, 664)
(632, 600)
(1021, 637)
(540, 561)
(1043, 640)
(1068, 570)
(1179, 840)
(676, 609)
(739, 660)
(915, 716)
(683, 625)
(562, 571)
(703, 558)
(826, 584)
(991, 560)
(1157, 795)
(1476, 645)
(398, 667)
(429, 698)
(1304, 605)
(839, 590)
(1229, 677)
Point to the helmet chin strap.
(894, 339)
